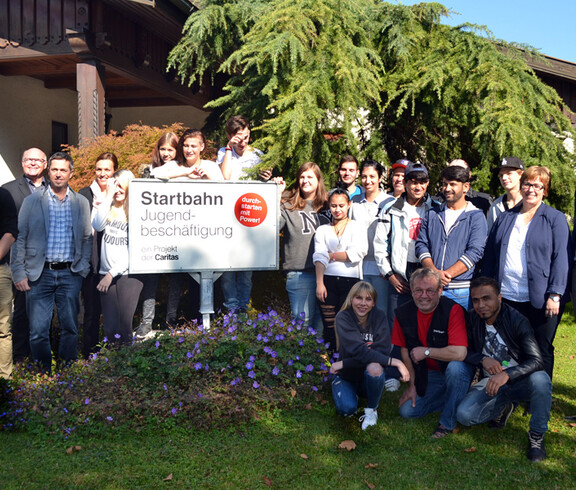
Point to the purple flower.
(174, 410)
(251, 374)
(116, 335)
(169, 356)
(189, 354)
(309, 368)
(319, 340)
(206, 367)
(165, 387)
(157, 344)
(314, 388)
(298, 374)
(233, 337)
(252, 358)
(290, 362)
(198, 366)
(297, 358)
(259, 337)
(273, 354)
(249, 365)
(180, 340)
(105, 339)
(109, 419)
(255, 385)
(300, 342)
(275, 371)
(87, 401)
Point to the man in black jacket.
(33, 166)
(501, 342)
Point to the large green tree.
(320, 78)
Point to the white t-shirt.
(515, 278)
(414, 217)
(165, 170)
(496, 348)
(450, 217)
(239, 164)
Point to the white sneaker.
(369, 418)
(391, 384)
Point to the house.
(73, 69)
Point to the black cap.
(511, 162)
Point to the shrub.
(133, 147)
(240, 367)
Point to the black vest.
(407, 316)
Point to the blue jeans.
(63, 287)
(443, 394)
(301, 289)
(460, 295)
(381, 286)
(346, 393)
(479, 407)
(236, 287)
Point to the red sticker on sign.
(250, 209)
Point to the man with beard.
(452, 237)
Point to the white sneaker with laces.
(369, 418)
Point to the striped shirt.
(60, 246)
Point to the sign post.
(203, 228)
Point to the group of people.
(372, 269)
(457, 298)
(56, 244)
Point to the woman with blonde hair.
(119, 291)
(363, 340)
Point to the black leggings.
(118, 307)
(337, 288)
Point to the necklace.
(340, 231)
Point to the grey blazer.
(29, 250)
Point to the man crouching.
(431, 332)
(502, 343)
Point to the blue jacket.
(548, 253)
(464, 241)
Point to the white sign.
(202, 226)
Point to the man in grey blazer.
(50, 258)
(32, 180)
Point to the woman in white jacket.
(119, 290)
(339, 248)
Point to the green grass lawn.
(268, 451)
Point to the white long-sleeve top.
(353, 241)
(114, 253)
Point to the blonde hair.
(359, 287)
(123, 177)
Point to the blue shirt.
(60, 246)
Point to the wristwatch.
(427, 352)
(555, 298)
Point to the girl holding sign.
(188, 163)
(339, 248)
(119, 290)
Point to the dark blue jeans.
(346, 393)
(63, 288)
(479, 407)
(443, 394)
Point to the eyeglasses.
(530, 185)
(34, 160)
(428, 292)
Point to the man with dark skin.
(502, 344)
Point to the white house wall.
(28, 110)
